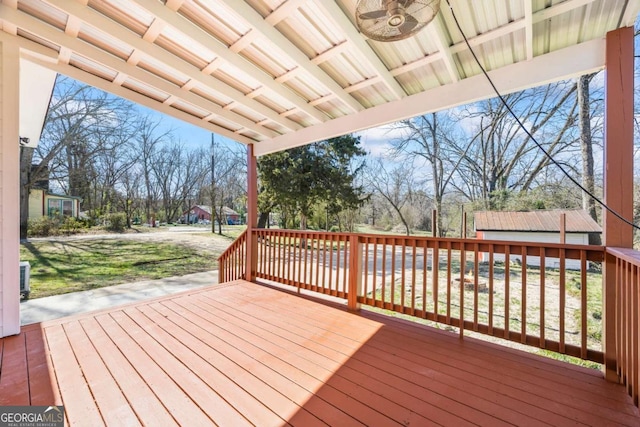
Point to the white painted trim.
(558, 65)
(9, 190)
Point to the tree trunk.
(262, 219)
(586, 148)
(26, 156)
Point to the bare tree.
(431, 138)
(395, 184)
(227, 167)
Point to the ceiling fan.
(391, 20)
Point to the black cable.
(546, 153)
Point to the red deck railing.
(627, 319)
(231, 263)
(543, 295)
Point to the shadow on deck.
(245, 354)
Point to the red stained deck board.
(111, 402)
(463, 404)
(339, 398)
(246, 356)
(43, 385)
(14, 379)
(236, 402)
(258, 354)
(79, 405)
(289, 361)
(140, 396)
(574, 407)
(177, 401)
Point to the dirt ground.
(195, 237)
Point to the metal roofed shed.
(535, 226)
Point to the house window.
(55, 207)
(67, 208)
(59, 207)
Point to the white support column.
(9, 190)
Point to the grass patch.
(59, 267)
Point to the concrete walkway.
(41, 309)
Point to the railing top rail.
(453, 240)
(233, 245)
(627, 254)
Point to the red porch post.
(252, 214)
(618, 173)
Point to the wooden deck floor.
(244, 354)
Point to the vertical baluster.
(329, 282)
(424, 278)
(365, 281)
(393, 274)
(291, 250)
(301, 240)
(375, 271)
(345, 264)
(583, 304)
(463, 265)
(449, 259)
(635, 332)
(324, 263)
(403, 288)
(543, 270)
(523, 301)
(507, 284)
(435, 272)
(413, 278)
(491, 271)
(563, 304)
(627, 319)
(476, 285)
(384, 271)
(306, 266)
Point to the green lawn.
(59, 267)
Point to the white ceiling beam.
(438, 35)
(216, 46)
(291, 50)
(47, 58)
(528, 28)
(7, 26)
(285, 9)
(362, 48)
(141, 46)
(127, 70)
(561, 64)
(330, 53)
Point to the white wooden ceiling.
(282, 73)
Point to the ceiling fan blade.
(376, 14)
(409, 24)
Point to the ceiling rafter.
(332, 52)
(127, 70)
(289, 49)
(281, 12)
(222, 51)
(509, 28)
(47, 57)
(528, 28)
(362, 48)
(438, 34)
(141, 46)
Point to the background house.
(43, 203)
(199, 213)
(535, 226)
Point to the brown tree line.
(117, 159)
(479, 157)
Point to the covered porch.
(247, 354)
(279, 74)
